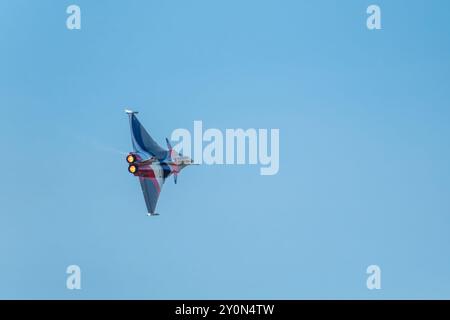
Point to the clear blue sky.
(364, 149)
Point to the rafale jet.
(151, 163)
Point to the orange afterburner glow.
(132, 169)
(130, 158)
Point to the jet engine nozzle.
(131, 158)
(132, 169)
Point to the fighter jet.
(151, 163)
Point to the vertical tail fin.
(169, 146)
(173, 156)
